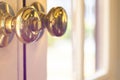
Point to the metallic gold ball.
(28, 25)
(56, 21)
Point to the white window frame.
(108, 22)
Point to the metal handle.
(29, 23)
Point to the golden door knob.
(29, 23)
(55, 20)
(6, 28)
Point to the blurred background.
(59, 58)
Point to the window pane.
(89, 39)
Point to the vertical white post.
(78, 39)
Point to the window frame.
(108, 56)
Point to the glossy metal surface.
(6, 33)
(56, 21)
(38, 7)
(41, 11)
(28, 25)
